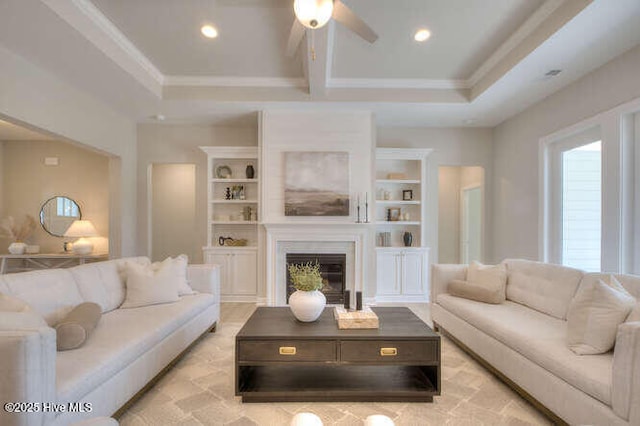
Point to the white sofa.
(529, 346)
(128, 348)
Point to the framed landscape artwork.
(316, 184)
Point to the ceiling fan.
(314, 14)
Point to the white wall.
(173, 143)
(31, 96)
(451, 147)
(516, 149)
(284, 131)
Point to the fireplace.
(333, 271)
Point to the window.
(572, 200)
(581, 206)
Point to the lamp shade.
(313, 13)
(81, 228)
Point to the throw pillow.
(178, 267)
(491, 277)
(595, 314)
(12, 304)
(474, 291)
(74, 329)
(150, 285)
(635, 314)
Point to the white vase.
(307, 305)
(17, 248)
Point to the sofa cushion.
(52, 292)
(474, 291)
(545, 287)
(122, 337)
(595, 314)
(100, 283)
(74, 329)
(540, 338)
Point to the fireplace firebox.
(332, 269)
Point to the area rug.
(199, 390)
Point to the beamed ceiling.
(485, 60)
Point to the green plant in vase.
(307, 302)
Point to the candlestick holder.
(366, 212)
(358, 210)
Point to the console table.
(281, 359)
(30, 262)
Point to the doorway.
(460, 215)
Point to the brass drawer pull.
(388, 351)
(287, 350)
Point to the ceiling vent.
(552, 73)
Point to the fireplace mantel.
(339, 237)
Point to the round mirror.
(58, 213)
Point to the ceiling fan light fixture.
(313, 13)
(209, 31)
(422, 34)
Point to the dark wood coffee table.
(281, 359)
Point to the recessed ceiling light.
(422, 34)
(209, 31)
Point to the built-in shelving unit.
(400, 208)
(233, 208)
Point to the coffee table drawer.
(389, 351)
(287, 350)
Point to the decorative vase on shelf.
(307, 302)
(250, 172)
(408, 239)
(17, 247)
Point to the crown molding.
(528, 27)
(396, 83)
(87, 19)
(227, 81)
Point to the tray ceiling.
(484, 62)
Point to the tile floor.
(200, 391)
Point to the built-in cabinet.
(400, 215)
(238, 277)
(402, 274)
(233, 205)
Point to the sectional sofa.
(524, 340)
(127, 349)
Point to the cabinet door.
(388, 273)
(244, 271)
(222, 259)
(413, 273)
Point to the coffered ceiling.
(485, 60)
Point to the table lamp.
(82, 229)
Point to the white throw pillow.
(150, 285)
(595, 314)
(491, 277)
(178, 267)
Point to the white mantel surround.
(344, 238)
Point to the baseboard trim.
(513, 385)
(160, 374)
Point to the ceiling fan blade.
(346, 17)
(295, 36)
